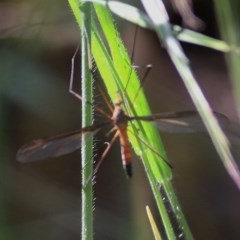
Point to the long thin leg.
(149, 66)
(105, 98)
(131, 104)
(151, 148)
(70, 89)
(75, 94)
(109, 145)
(132, 55)
(105, 152)
(148, 69)
(134, 43)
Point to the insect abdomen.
(125, 151)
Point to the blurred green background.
(42, 200)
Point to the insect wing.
(180, 122)
(183, 122)
(191, 122)
(40, 149)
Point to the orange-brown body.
(125, 150)
(120, 121)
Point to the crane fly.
(172, 122)
(176, 122)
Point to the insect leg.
(109, 145)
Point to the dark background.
(42, 200)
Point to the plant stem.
(87, 118)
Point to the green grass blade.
(121, 70)
(156, 173)
(87, 119)
(155, 230)
(138, 17)
(167, 35)
(156, 169)
(229, 23)
(189, 36)
(84, 19)
(158, 15)
(115, 68)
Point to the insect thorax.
(119, 117)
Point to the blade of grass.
(155, 230)
(157, 171)
(84, 18)
(164, 30)
(155, 168)
(138, 17)
(87, 119)
(159, 17)
(121, 70)
(186, 35)
(229, 23)
(149, 158)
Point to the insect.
(178, 122)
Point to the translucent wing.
(191, 122)
(179, 122)
(40, 149)
(186, 122)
